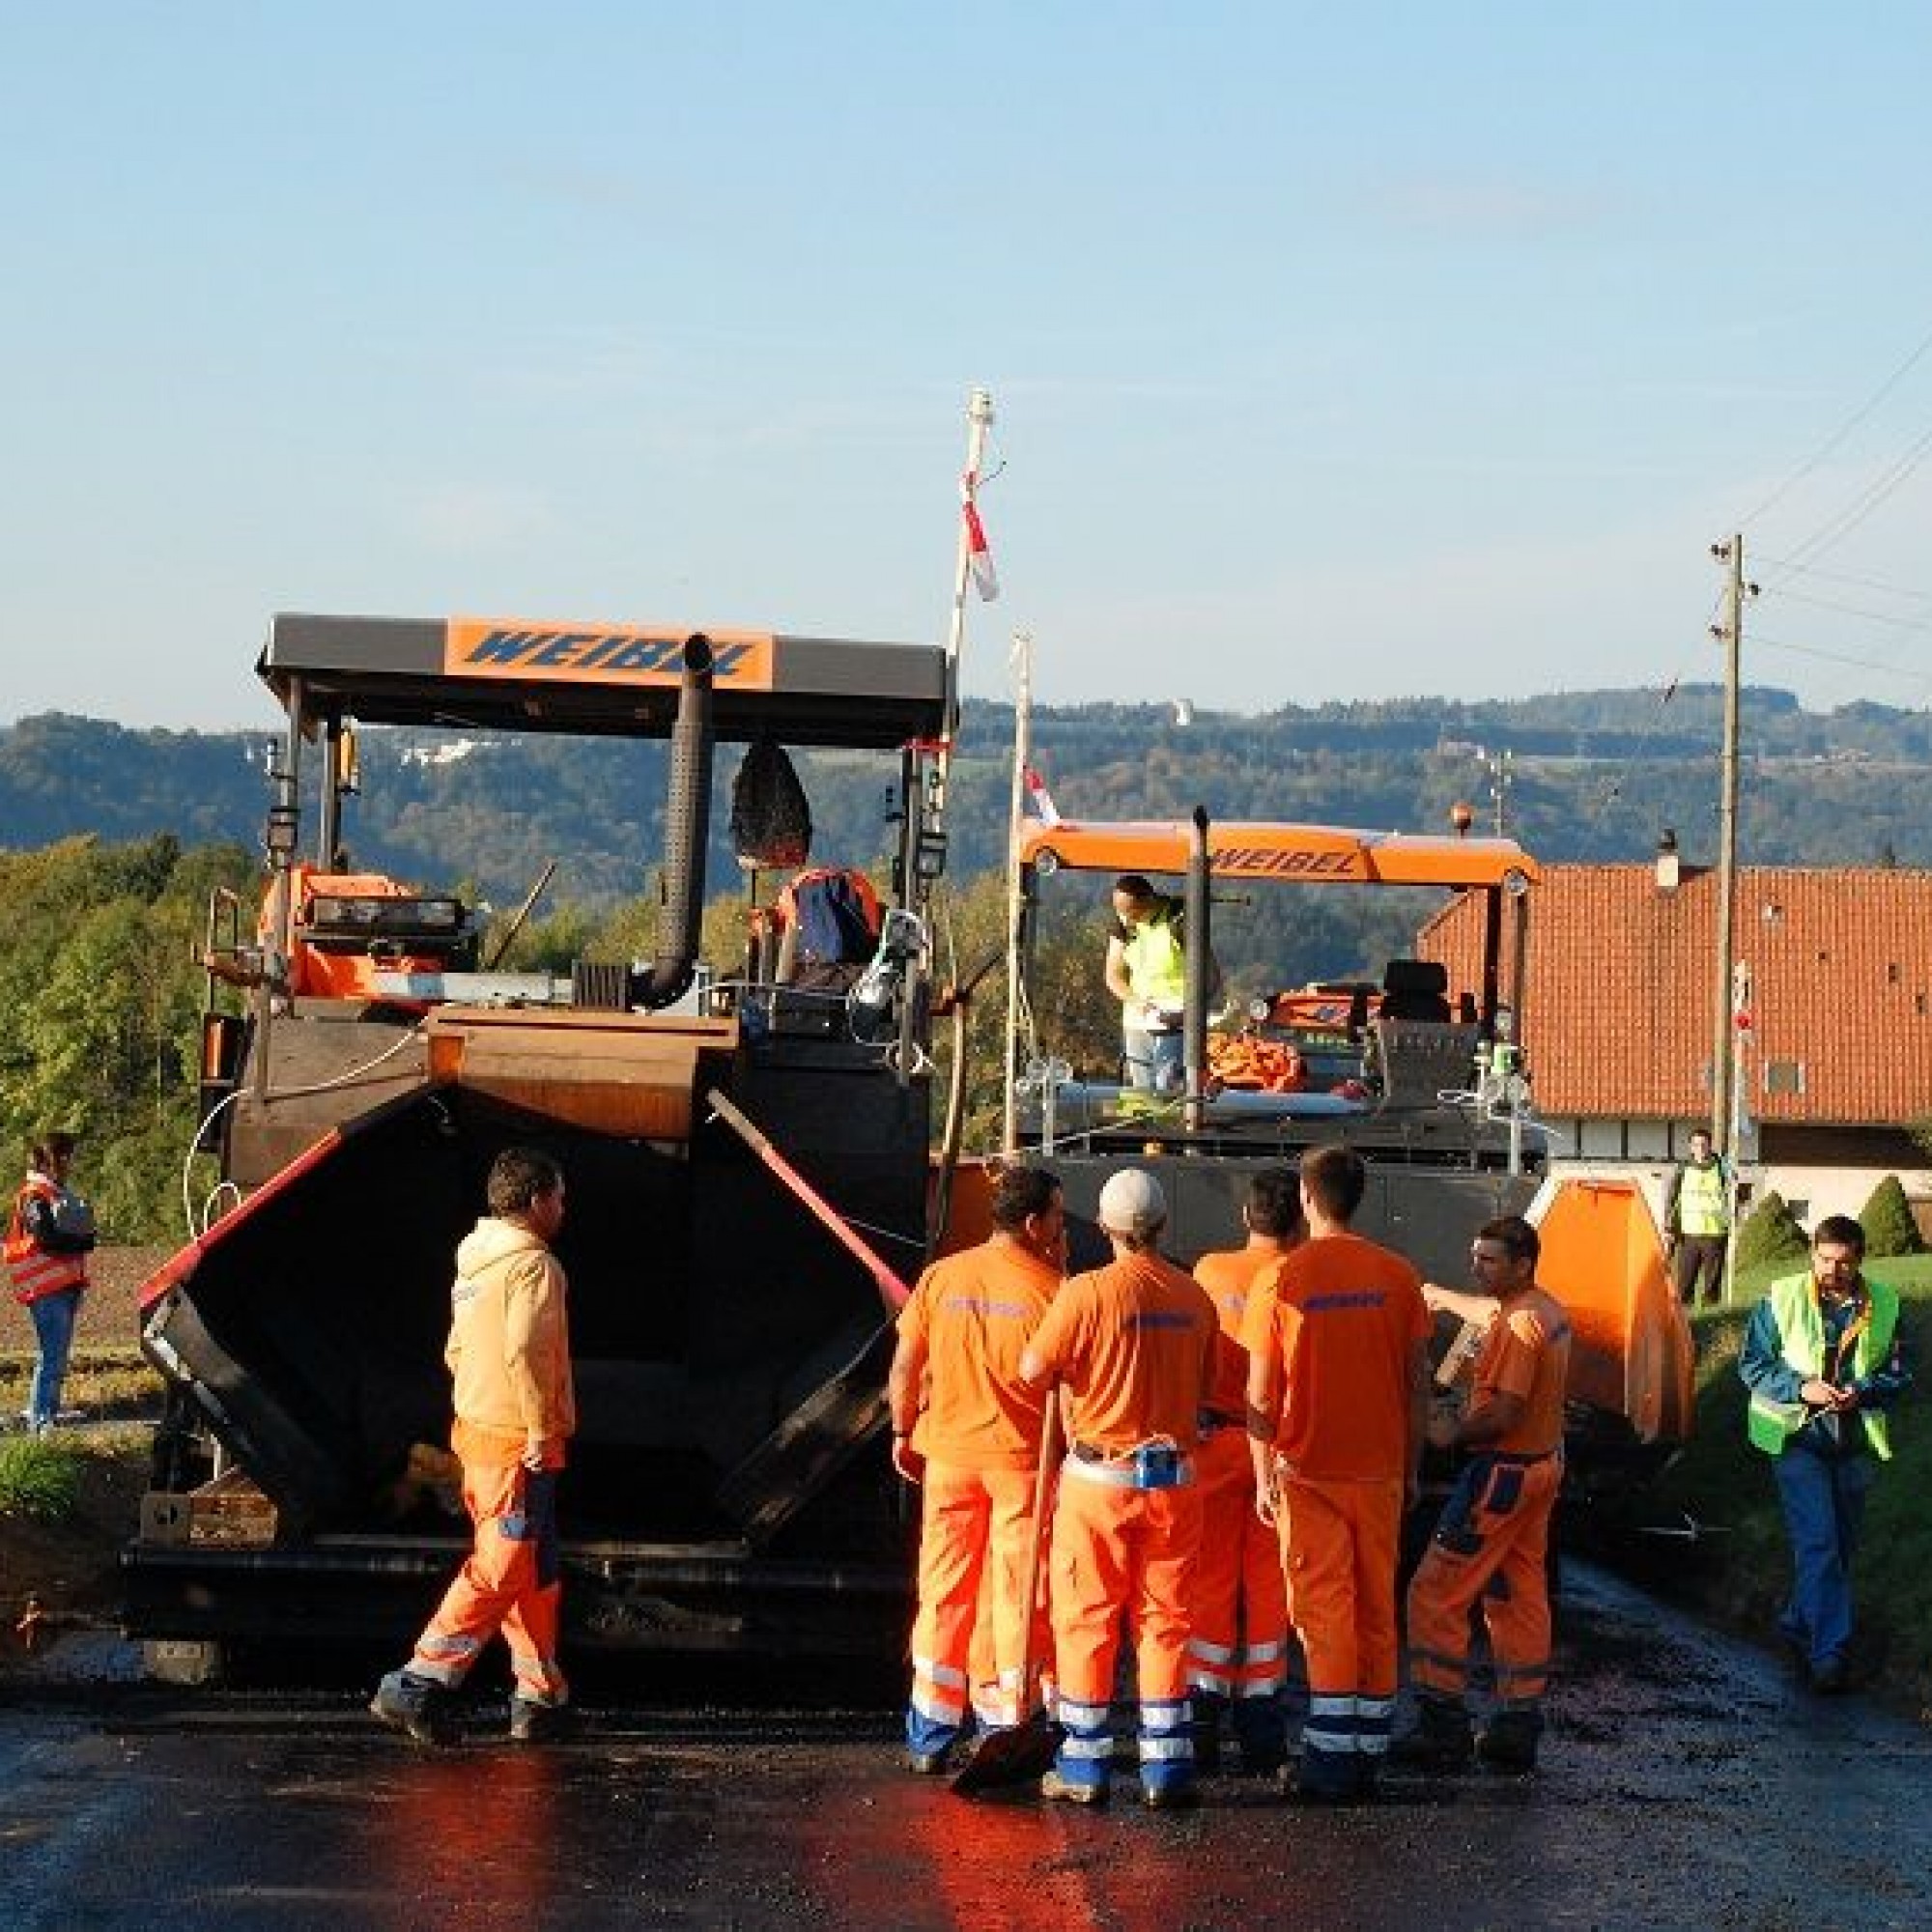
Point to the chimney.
(1669, 868)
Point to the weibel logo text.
(599, 657)
(1295, 864)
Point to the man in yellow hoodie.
(509, 1355)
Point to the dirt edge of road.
(59, 1577)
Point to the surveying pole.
(1743, 1019)
(1010, 1125)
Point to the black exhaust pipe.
(687, 833)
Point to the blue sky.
(1337, 353)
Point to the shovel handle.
(893, 1291)
(1043, 1485)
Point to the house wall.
(1889, 1150)
(1819, 1171)
(1580, 1138)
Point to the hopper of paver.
(706, 1308)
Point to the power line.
(1838, 435)
(1612, 791)
(1838, 657)
(1846, 577)
(1837, 528)
(1851, 609)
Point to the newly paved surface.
(1688, 1783)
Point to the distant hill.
(1593, 775)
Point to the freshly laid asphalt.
(1688, 1781)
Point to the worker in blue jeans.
(1823, 1361)
(50, 1236)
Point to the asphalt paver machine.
(728, 1490)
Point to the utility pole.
(1731, 633)
(1500, 766)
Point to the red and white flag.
(1042, 799)
(979, 559)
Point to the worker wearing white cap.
(1133, 1345)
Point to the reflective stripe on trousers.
(1339, 1545)
(971, 1625)
(1119, 1551)
(1123, 1550)
(511, 1581)
(1086, 1752)
(1237, 1601)
(1490, 1549)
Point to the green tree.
(101, 998)
(1770, 1233)
(1886, 1219)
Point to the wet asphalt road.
(1687, 1782)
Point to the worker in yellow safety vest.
(1147, 971)
(1823, 1361)
(1698, 1223)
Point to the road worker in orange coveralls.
(1132, 1345)
(967, 1429)
(1237, 1647)
(1490, 1546)
(1337, 1395)
(516, 1408)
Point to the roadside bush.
(1770, 1233)
(1886, 1219)
(37, 1478)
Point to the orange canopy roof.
(1300, 854)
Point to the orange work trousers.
(1490, 1549)
(511, 1581)
(1119, 1550)
(1237, 1645)
(974, 1525)
(1340, 1544)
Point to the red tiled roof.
(1617, 1006)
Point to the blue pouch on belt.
(1159, 1466)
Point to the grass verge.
(1722, 1481)
(39, 1479)
(59, 1557)
(102, 1382)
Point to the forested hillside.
(111, 840)
(1591, 776)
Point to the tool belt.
(1148, 1465)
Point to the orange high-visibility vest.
(34, 1272)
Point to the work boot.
(1297, 1787)
(1508, 1741)
(415, 1705)
(1261, 1729)
(535, 1724)
(1830, 1678)
(1205, 1728)
(1053, 1785)
(1440, 1742)
(1181, 1796)
(926, 1764)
